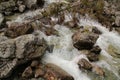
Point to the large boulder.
(29, 46)
(84, 39)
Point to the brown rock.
(27, 72)
(53, 72)
(39, 73)
(84, 40)
(92, 56)
(84, 64)
(17, 29)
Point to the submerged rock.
(84, 39)
(53, 72)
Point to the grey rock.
(7, 68)
(3, 38)
(21, 43)
(7, 49)
(29, 46)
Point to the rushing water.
(66, 56)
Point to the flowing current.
(66, 56)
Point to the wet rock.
(27, 72)
(16, 29)
(84, 39)
(96, 50)
(53, 72)
(7, 49)
(84, 64)
(98, 70)
(7, 67)
(92, 56)
(50, 48)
